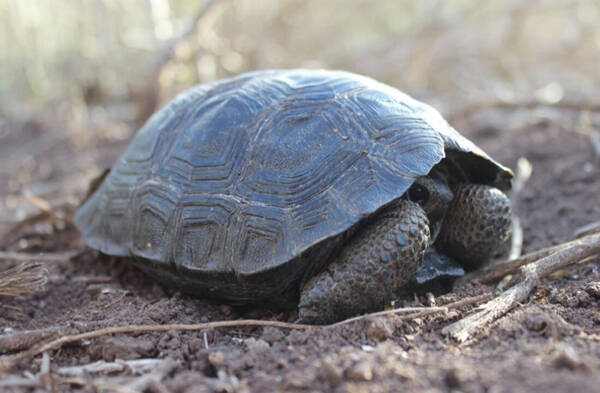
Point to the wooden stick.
(418, 312)
(578, 250)
(18, 340)
(150, 93)
(9, 361)
(498, 270)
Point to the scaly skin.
(382, 257)
(478, 225)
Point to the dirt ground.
(549, 344)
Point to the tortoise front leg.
(477, 227)
(381, 258)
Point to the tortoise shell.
(241, 188)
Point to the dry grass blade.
(39, 257)
(578, 250)
(23, 279)
(588, 229)
(42, 204)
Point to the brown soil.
(549, 344)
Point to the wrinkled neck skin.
(434, 195)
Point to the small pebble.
(593, 289)
(295, 381)
(195, 344)
(330, 372)
(127, 348)
(256, 346)
(568, 358)
(584, 299)
(430, 299)
(379, 329)
(271, 334)
(536, 321)
(217, 359)
(361, 371)
(452, 379)
(226, 310)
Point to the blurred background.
(77, 78)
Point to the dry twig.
(14, 381)
(497, 271)
(152, 381)
(577, 250)
(418, 312)
(15, 341)
(136, 366)
(99, 385)
(588, 229)
(46, 375)
(150, 95)
(7, 362)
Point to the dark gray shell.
(242, 187)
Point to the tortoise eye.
(418, 194)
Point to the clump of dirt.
(549, 344)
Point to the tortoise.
(322, 190)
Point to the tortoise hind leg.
(381, 258)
